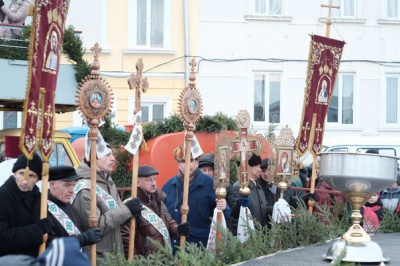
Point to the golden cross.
(96, 49)
(47, 115)
(328, 20)
(139, 83)
(305, 128)
(32, 112)
(318, 130)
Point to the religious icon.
(192, 106)
(284, 162)
(52, 57)
(223, 162)
(96, 99)
(323, 92)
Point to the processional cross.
(328, 20)
(139, 83)
(243, 145)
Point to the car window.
(59, 156)
(383, 151)
(340, 149)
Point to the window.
(341, 105)
(392, 9)
(267, 89)
(59, 156)
(149, 24)
(10, 119)
(268, 7)
(392, 100)
(153, 112)
(347, 8)
(154, 108)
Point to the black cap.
(206, 160)
(63, 172)
(254, 160)
(146, 170)
(264, 163)
(34, 165)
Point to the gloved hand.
(90, 236)
(244, 201)
(184, 229)
(308, 196)
(135, 207)
(1, 3)
(45, 224)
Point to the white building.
(255, 58)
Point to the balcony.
(14, 78)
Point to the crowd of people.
(156, 212)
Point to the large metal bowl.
(358, 172)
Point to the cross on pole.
(139, 83)
(243, 146)
(328, 20)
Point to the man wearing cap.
(112, 213)
(162, 229)
(256, 202)
(64, 216)
(21, 229)
(206, 164)
(201, 199)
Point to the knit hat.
(254, 160)
(207, 160)
(146, 171)
(34, 165)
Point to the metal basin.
(358, 172)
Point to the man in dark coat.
(201, 200)
(256, 201)
(21, 230)
(64, 216)
(146, 228)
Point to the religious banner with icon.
(46, 39)
(323, 65)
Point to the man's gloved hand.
(308, 196)
(1, 3)
(244, 201)
(135, 207)
(90, 236)
(45, 226)
(184, 229)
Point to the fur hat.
(254, 160)
(146, 171)
(179, 153)
(34, 165)
(207, 160)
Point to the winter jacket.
(19, 213)
(390, 199)
(14, 14)
(259, 207)
(145, 230)
(201, 203)
(109, 220)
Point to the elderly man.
(21, 230)
(206, 164)
(202, 200)
(64, 216)
(161, 229)
(112, 213)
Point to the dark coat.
(145, 230)
(201, 203)
(259, 207)
(19, 233)
(71, 212)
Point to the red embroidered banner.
(46, 38)
(323, 65)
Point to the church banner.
(323, 65)
(46, 39)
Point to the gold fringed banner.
(323, 65)
(46, 39)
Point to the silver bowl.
(358, 172)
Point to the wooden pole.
(185, 206)
(328, 20)
(133, 195)
(43, 200)
(93, 219)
